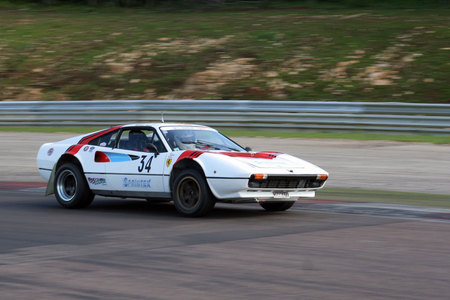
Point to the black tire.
(71, 188)
(191, 194)
(277, 206)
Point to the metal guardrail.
(235, 114)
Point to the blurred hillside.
(293, 53)
(241, 3)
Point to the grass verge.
(443, 139)
(405, 198)
(440, 139)
(50, 129)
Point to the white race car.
(194, 166)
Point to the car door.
(132, 169)
(93, 165)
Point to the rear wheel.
(277, 206)
(71, 188)
(191, 194)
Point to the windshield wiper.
(217, 146)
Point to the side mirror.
(248, 149)
(152, 148)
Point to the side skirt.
(126, 194)
(238, 200)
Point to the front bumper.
(238, 190)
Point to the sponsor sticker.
(91, 149)
(86, 148)
(97, 181)
(168, 162)
(136, 183)
(50, 151)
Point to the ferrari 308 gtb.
(192, 165)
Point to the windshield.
(193, 138)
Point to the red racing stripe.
(90, 137)
(263, 155)
(74, 149)
(190, 154)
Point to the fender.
(66, 157)
(50, 184)
(187, 155)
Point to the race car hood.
(241, 163)
(276, 161)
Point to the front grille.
(286, 182)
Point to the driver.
(185, 139)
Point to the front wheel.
(191, 194)
(71, 188)
(277, 206)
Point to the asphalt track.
(130, 249)
(379, 165)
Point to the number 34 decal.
(145, 165)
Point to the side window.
(158, 143)
(106, 140)
(136, 139)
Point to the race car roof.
(160, 124)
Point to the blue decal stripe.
(118, 157)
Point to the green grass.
(65, 53)
(444, 139)
(50, 129)
(406, 198)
